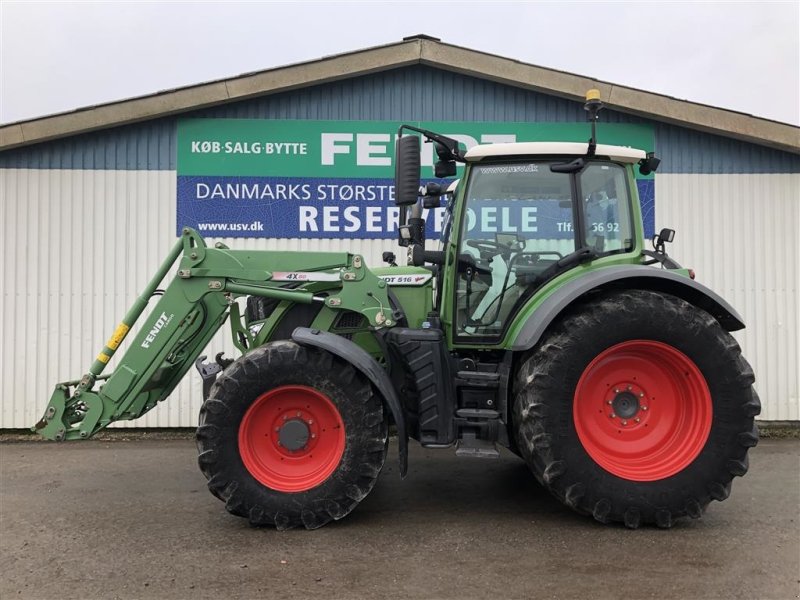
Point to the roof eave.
(171, 102)
(656, 107)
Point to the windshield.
(519, 222)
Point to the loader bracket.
(209, 371)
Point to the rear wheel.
(291, 436)
(636, 408)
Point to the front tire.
(637, 407)
(291, 436)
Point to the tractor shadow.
(440, 483)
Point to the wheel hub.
(294, 435)
(625, 405)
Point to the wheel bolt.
(630, 388)
(641, 394)
(311, 421)
(644, 408)
(609, 402)
(613, 416)
(624, 422)
(616, 390)
(277, 429)
(313, 435)
(637, 419)
(298, 413)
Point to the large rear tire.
(291, 436)
(636, 407)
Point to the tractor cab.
(522, 215)
(524, 221)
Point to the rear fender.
(622, 277)
(361, 360)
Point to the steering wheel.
(488, 248)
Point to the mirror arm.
(449, 143)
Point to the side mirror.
(431, 194)
(431, 202)
(406, 170)
(666, 235)
(444, 168)
(649, 165)
(446, 165)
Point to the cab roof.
(572, 149)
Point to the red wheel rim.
(292, 438)
(642, 410)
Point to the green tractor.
(542, 324)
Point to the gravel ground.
(133, 519)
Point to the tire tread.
(542, 438)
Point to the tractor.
(541, 324)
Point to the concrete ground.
(134, 520)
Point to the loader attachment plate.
(68, 417)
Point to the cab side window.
(607, 213)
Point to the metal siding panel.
(80, 244)
(411, 93)
(684, 150)
(117, 148)
(738, 232)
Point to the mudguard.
(621, 277)
(362, 361)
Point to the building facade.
(89, 201)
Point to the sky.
(58, 56)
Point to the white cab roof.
(576, 149)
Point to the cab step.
(471, 447)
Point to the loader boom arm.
(191, 310)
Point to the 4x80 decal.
(304, 276)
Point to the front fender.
(625, 277)
(361, 360)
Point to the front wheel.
(291, 436)
(637, 407)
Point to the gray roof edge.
(650, 105)
(414, 50)
(192, 86)
(204, 95)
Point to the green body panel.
(552, 286)
(416, 300)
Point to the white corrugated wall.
(78, 246)
(741, 234)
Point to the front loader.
(542, 324)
